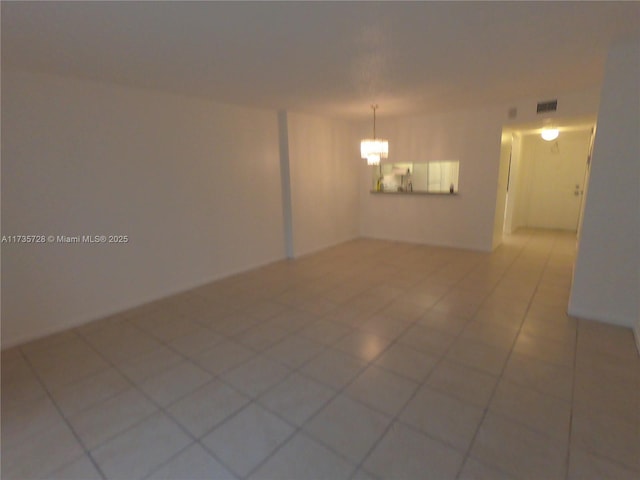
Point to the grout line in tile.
(500, 376)
(64, 419)
(573, 389)
(160, 408)
(299, 429)
(421, 385)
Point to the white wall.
(324, 171)
(474, 138)
(195, 185)
(465, 220)
(570, 105)
(605, 285)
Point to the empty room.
(320, 240)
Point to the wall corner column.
(285, 180)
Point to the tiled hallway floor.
(368, 360)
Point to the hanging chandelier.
(373, 149)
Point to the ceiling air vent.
(550, 106)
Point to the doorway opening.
(542, 184)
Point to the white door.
(556, 183)
(585, 182)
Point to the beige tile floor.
(369, 360)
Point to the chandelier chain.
(374, 108)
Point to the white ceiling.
(329, 58)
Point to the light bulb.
(549, 134)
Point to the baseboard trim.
(83, 318)
(602, 318)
